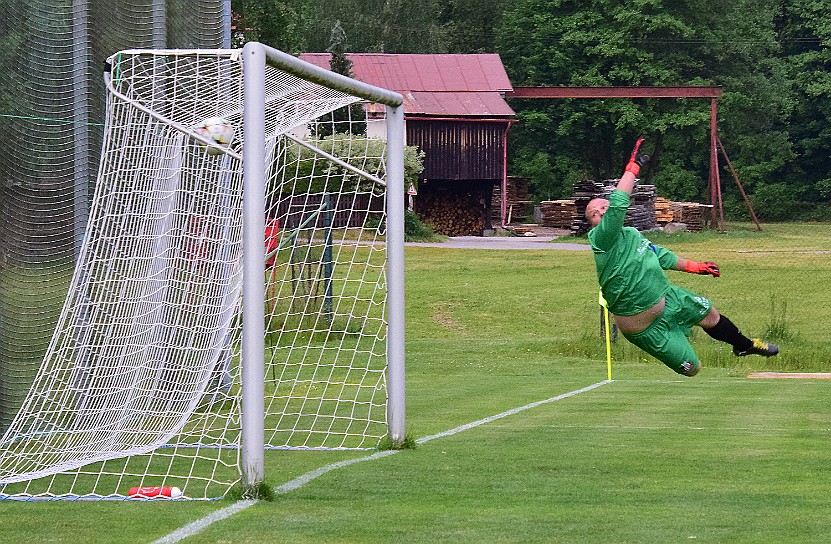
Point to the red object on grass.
(272, 240)
(150, 492)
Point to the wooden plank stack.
(517, 190)
(558, 214)
(691, 214)
(584, 191)
(641, 214)
(663, 212)
(517, 203)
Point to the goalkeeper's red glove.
(702, 268)
(636, 160)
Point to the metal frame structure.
(255, 57)
(713, 93)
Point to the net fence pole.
(226, 24)
(159, 30)
(395, 280)
(253, 268)
(80, 109)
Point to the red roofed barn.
(455, 111)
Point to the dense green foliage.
(309, 178)
(769, 56)
(415, 230)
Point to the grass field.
(649, 457)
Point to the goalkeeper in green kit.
(648, 310)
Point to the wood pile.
(522, 231)
(691, 214)
(517, 190)
(641, 214)
(517, 202)
(452, 214)
(559, 214)
(496, 203)
(663, 212)
(584, 191)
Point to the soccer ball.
(215, 129)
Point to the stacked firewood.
(452, 214)
(496, 203)
(558, 214)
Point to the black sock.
(726, 331)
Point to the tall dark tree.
(338, 46)
(470, 27)
(349, 119)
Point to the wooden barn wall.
(457, 150)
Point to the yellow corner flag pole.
(602, 302)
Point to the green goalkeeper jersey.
(630, 268)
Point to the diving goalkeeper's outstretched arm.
(633, 168)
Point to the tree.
(378, 26)
(470, 27)
(804, 34)
(340, 63)
(348, 119)
(278, 23)
(646, 42)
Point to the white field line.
(309, 476)
(510, 412)
(224, 513)
(197, 526)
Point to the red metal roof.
(458, 104)
(445, 85)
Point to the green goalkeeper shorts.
(667, 338)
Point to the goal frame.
(255, 56)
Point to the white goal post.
(255, 58)
(231, 298)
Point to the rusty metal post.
(717, 211)
(739, 183)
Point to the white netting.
(51, 117)
(140, 385)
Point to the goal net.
(142, 385)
